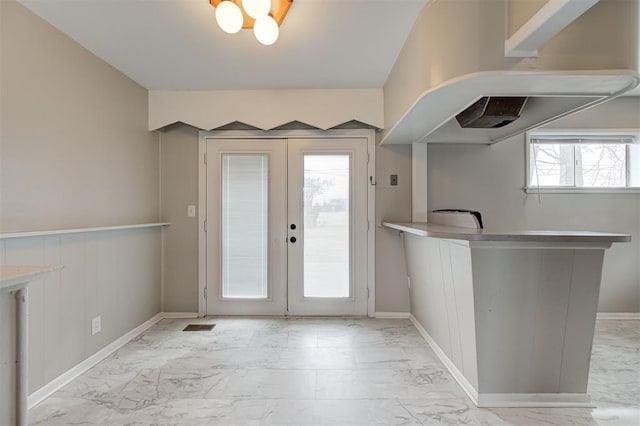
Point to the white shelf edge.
(9, 235)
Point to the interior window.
(583, 161)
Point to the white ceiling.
(177, 45)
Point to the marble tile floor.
(316, 372)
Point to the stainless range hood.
(447, 113)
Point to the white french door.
(246, 224)
(286, 226)
(327, 206)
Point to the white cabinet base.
(537, 400)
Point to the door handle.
(292, 226)
(293, 239)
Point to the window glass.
(584, 161)
(601, 165)
(552, 164)
(634, 165)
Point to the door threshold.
(291, 316)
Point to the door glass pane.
(245, 184)
(326, 225)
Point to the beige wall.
(520, 11)
(621, 113)
(490, 178)
(392, 203)
(74, 152)
(604, 37)
(74, 145)
(180, 188)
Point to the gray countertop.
(470, 234)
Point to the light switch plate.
(393, 180)
(96, 325)
(191, 210)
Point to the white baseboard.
(534, 400)
(392, 315)
(618, 315)
(457, 374)
(179, 315)
(47, 390)
(504, 400)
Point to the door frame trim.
(203, 136)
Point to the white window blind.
(245, 236)
(596, 139)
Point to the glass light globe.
(257, 8)
(266, 30)
(229, 17)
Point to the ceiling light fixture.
(264, 16)
(229, 17)
(257, 8)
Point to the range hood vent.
(491, 112)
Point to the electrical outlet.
(191, 210)
(393, 180)
(96, 325)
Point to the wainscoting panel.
(114, 274)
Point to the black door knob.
(293, 239)
(293, 226)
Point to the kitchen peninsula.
(511, 314)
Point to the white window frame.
(578, 134)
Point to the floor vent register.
(199, 327)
